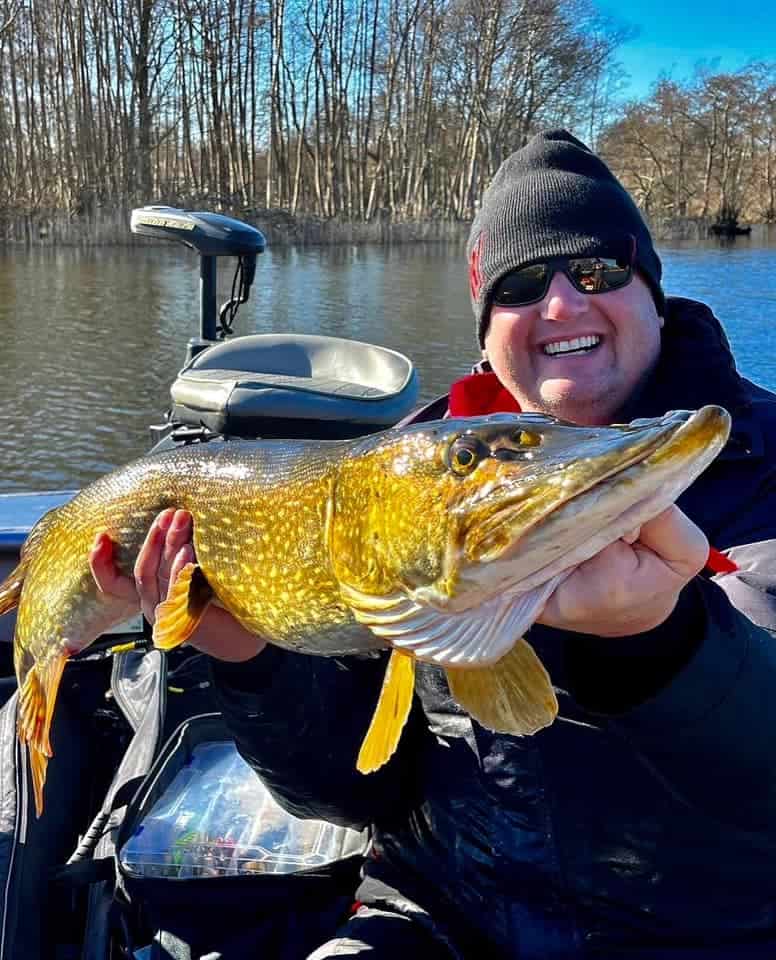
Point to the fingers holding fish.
(178, 537)
(109, 580)
(676, 541)
(184, 556)
(142, 589)
(629, 588)
(155, 558)
(166, 551)
(117, 592)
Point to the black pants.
(379, 935)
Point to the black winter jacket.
(642, 823)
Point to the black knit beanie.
(553, 197)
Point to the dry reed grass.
(106, 227)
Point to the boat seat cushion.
(283, 384)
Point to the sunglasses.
(593, 274)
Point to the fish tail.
(390, 716)
(11, 588)
(514, 695)
(36, 708)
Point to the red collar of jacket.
(483, 393)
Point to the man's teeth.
(569, 346)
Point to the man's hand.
(167, 549)
(629, 588)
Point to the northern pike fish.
(440, 540)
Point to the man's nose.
(563, 301)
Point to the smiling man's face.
(574, 355)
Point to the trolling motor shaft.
(212, 235)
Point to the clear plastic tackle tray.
(216, 818)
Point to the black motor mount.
(211, 235)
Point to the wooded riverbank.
(281, 228)
(363, 121)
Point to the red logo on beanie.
(475, 277)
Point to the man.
(642, 822)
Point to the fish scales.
(441, 541)
(259, 524)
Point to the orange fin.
(36, 709)
(390, 715)
(513, 695)
(11, 588)
(179, 615)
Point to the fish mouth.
(535, 534)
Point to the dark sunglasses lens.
(526, 285)
(599, 274)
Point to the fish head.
(453, 512)
(573, 490)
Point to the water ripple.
(93, 339)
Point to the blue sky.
(674, 36)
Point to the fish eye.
(527, 438)
(464, 453)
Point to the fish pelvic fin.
(513, 695)
(36, 710)
(11, 588)
(179, 615)
(390, 716)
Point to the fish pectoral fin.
(179, 615)
(390, 716)
(36, 710)
(483, 633)
(513, 695)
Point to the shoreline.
(107, 228)
(280, 227)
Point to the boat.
(121, 728)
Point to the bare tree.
(351, 109)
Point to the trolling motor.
(269, 384)
(212, 235)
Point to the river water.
(91, 339)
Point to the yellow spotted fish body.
(427, 539)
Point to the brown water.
(91, 339)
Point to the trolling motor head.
(211, 235)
